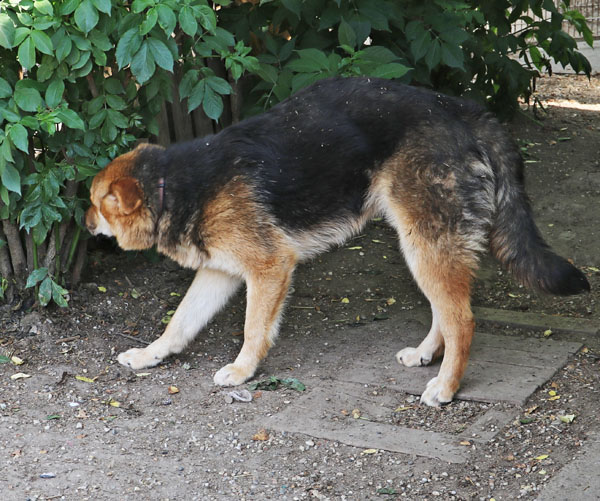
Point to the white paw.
(412, 357)
(437, 393)
(232, 375)
(138, 358)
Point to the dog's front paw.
(138, 358)
(412, 357)
(437, 393)
(232, 375)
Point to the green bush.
(82, 80)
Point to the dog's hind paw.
(138, 358)
(412, 357)
(437, 393)
(232, 375)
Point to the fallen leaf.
(567, 418)
(273, 382)
(356, 413)
(114, 403)
(548, 333)
(135, 294)
(174, 294)
(552, 393)
(143, 374)
(86, 379)
(173, 389)
(358, 247)
(4, 359)
(369, 451)
(541, 457)
(375, 241)
(102, 289)
(555, 397)
(19, 375)
(16, 360)
(261, 435)
(52, 416)
(345, 300)
(404, 408)
(465, 442)
(390, 301)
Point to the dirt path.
(83, 427)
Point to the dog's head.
(118, 207)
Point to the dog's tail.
(515, 239)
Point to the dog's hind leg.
(267, 288)
(209, 292)
(443, 272)
(430, 348)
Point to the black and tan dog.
(249, 203)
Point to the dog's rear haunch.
(249, 203)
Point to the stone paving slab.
(315, 414)
(529, 320)
(577, 480)
(501, 368)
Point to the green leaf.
(166, 19)
(452, 56)
(44, 6)
(212, 104)
(36, 276)
(59, 295)
(197, 95)
(42, 42)
(187, 21)
(189, 80)
(68, 6)
(219, 85)
(139, 5)
(45, 292)
(207, 17)
(390, 70)
(97, 119)
(70, 118)
(7, 31)
(115, 102)
(102, 5)
(294, 6)
(63, 48)
(5, 89)
(128, 45)
(310, 60)
(420, 45)
(27, 98)
(26, 53)
(18, 136)
(86, 16)
(346, 35)
(142, 64)
(54, 93)
(149, 22)
(162, 55)
(11, 178)
(117, 119)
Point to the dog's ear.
(127, 195)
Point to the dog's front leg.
(208, 293)
(266, 293)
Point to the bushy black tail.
(515, 239)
